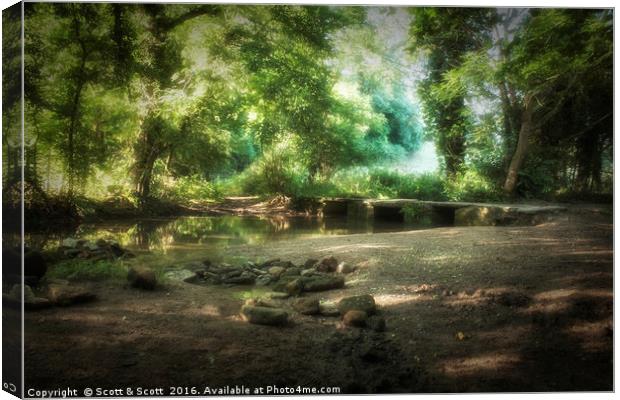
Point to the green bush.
(85, 270)
(471, 186)
(193, 187)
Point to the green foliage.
(471, 186)
(150, 105)
(85, 270)
(187, 188)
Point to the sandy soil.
(473, 309)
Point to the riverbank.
(468, 309)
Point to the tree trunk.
(519, 155)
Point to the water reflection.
(164, 234)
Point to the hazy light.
(422, 161)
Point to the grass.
(85, 270)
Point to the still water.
(164, 235)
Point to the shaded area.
(467, 309)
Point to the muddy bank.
(467, 309)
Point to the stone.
(179, 275)
(295, 287)
(37, 303)
(281, 283)
(329, 309)
(232, 274)
(264, 315)
(283, 264)
(345, 268)
(65, 294)
(276, 271)
(71, 253)
(91, 246)
(276, 295)
(263, 280)
(311, 262)
(306, 306)
(261, 302)
(142, 277)
(116, 250)
(321, 283)
(355, 318)
(258, 271)
(376, 323)
(364, 303)
(69, 243)
(293, 271)
(246, 278)
(308, 272)
(328, 264)
(269, 263)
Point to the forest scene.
(343, 199)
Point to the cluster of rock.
(282, 276)
(100, 249)
(57, 292)
(357, 311)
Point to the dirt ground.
(468, 309)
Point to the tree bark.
(520, 152)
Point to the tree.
(446, 35)
(551, 63)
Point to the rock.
(293, 271)
(232, 274)
(72, 253)
(262, 302)
(276, 271)
(91, 246)
(258, 271)
(246, 278)
(34, 264)
(329, 309)
(295, 287)
(276, 295)
(345, 268)
(179, 275)
(101, 243)
(376, 323)
(311, 262)
(32, 302)
(37, 303)
(69, 243)
(116, 250)
(321, 283)
(264, 315)
(64, 294)
(328, 264)
(306, 306)
(283, 264)
(263, 280)
(142, 277)
(355, 318)
(280, 286)
(269, 263)
(364, 303)
(308, 272)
